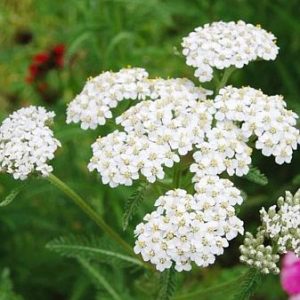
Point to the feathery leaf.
(98, 278)
(255, 175)
(167, 284)
(133, 203)
(248, 285)
(12, 195)
(73, 246)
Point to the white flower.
(221, 45)
(156, 133)
(225, 149)
(27, 143)
(93, 105)
(265, 117)
(120, 158)
(179, 233)
(282, 223)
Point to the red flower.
(41, 58)
(43, 62)
(59, 51)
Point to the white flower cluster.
(280, 227)
(282, 224)
(27, 143)
(154, 132)
(225, 149)
(224, 44)
(255, 254)
(185, 228)
(100, 94)
(265, 117)
(128, 154)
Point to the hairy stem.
(89, 212)
(224, 79)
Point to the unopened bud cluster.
(281, 228)
(255, 254)
(282, 223)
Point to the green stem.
(225, 78)
(89, 212)
(176, 175)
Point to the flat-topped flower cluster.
(221, 45)
(27, 143)
(185, 228)
(168, 119)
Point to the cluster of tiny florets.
(102, 93)
(282, 223)
(185, 228)
(225, 149)
(280, 227)
(256, 255)
(221, 45)
(156, 133)
(27, 143)
(261, 116)
(128, 155)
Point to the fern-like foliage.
(256, 176)
(99, 279)
(248, 285)
(134, 202)
(12, 195)
(91, 248)
(167, 284)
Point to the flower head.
(280, 227)
(282, 223)
(261, 116)
(27, 143)
(185, 228)
(100, 94)
(221, 45)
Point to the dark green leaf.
(12, 195)
(248, 285)
(133, 203)
(99, 278)
(73, 246)
(167, 284)
(255, 175)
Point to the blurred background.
(48, 50)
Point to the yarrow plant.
(175, 123)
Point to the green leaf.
(255, 175)
(167, 284)
(99, 278)
(73, 246)
(248, 285)
(133, 203)
(296, 180)
(6, 287)
(12, 195)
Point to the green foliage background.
(108, 35)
